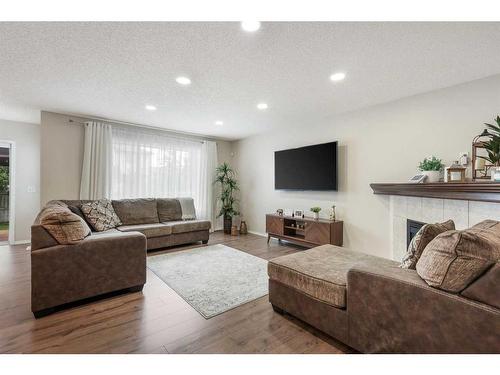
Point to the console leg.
(204, 242)
(268, 238)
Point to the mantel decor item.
(315, 211)
(225, 177)
(431, 167)
(298, 213)
(279, 211)
(455, 172)
(486, 153)
(333, 214)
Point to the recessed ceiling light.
(336, 77)
(262, 106)
(219, 123)
(150, 107)
(183, 80)
(250, 26)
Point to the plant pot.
(432, 176)
(316, 215)
(228, 222)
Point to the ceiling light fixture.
(262, 106)
(250, 26)
(150, 107)
(183, 81)
(219, 123)
(336, 77)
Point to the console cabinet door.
(318, 233)
(274, 225)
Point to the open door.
(5, 182)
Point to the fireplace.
(412, 227)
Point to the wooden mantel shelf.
(470, 191)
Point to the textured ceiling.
(113, 69)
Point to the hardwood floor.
(156, 320)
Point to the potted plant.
(316, 211)
(492, 147)
(431, 167)
(225, 177)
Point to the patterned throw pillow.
(100, 214)
(418, 243)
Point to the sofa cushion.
(168, 209)
(485, 289)
(187, 207)
(320, 272)
(100, 214)
(66, 227)
(454, 259)
(188, 226)
(149, 230)
(421, 239)
(136, 211)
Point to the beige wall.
(62, 156)
(383, 143)
(27, 173)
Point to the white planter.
(316, 215)
(432, 176)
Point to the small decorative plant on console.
(316, 211)
(225, 176)
(431, 167)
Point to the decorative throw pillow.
(66, 227)
(100, 214)
(187, 208)
(454, 259)
(421, 239)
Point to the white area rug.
(212, 279)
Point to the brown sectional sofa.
(108, 261)
(374, 306)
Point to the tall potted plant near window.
(225, 177)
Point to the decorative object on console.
(418, 178)
(455, 172)
(225, 176)
(315, 211)
(279, 211)
(491, 145)
(298, 213)
(431, 167)
(332, 213)
(287, 212)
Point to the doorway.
(5, 189)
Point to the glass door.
(4, 192)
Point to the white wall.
(383, 143)
(27, 173)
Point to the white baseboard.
(258, 233)
(22, 242)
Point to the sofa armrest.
(393, 310)
(97, 265)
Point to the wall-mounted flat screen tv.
(306, 168)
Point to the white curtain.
(96, 171)
(151, 164)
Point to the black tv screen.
(306, 168)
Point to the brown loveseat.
(374, 306)
(107, 261)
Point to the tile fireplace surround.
(432, 210)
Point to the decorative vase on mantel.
(432, 176)
(316, 215)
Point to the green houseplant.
(431, 167)
(225, 177)
(316, 211)
(492, 147)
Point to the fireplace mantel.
(471, 191)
